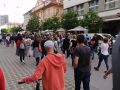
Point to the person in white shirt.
(7, 41)
(104, 54)
(28, 43)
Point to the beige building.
(45, 9)
(107, 9)
(27, 17)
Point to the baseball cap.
(49, 44)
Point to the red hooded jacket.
(2, 81)
(51, 69)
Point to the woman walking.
(104, 54)
(21, 51)
(36, 49)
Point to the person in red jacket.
(51, 68)
(2, 81)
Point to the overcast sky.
(16, 8)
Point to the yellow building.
(48, 8)
(44, 9)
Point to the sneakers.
(23, 62)
(96, 68)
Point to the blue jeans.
(83, 77)
(105, 58)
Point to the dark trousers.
(21, 53)
(43, 54)
(82, 77)
(105, 58)
(37, 60)
(68, 52)
(0, 41)
(22, 58)
(72, 58)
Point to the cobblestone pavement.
(14, 71)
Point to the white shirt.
(0, 36)
(104, 48)
(56, 45)
(8, 38)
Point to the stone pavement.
(14, 71)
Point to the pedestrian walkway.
(14, 71)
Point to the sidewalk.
(14, 71)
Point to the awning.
(79, 28)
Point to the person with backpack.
(21, 51)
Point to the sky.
(16, 8)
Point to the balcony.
(111, 4)
(80, 12)
(94, 5)
(94, 8)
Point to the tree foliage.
(12, 30)
(3, 30)
(92, 21)
(16, 29)
(70, 20)
(51, 24)
(34, 23)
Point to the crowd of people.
(50, 52)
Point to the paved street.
(14, 71)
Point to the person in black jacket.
(66, 45)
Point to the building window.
(93, 5)
(80, 9)
(110, 4)
(71, 9)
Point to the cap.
(49, 44)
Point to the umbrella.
(61, 30)
(79, 28)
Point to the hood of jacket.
(57, 60)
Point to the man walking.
(66, 45)
(51, 69)
(82, 64)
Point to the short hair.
(105, 40)
(80, 38)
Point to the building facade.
(4, 19)
(48, 9)
(45, 9)
(107, 9)
(27, 17)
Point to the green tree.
(70, 20)
(34, 23)
(4, 31)
(92, 21)
(51, 24)
(14, 30)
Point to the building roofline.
(71, 3)
(48, 5)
